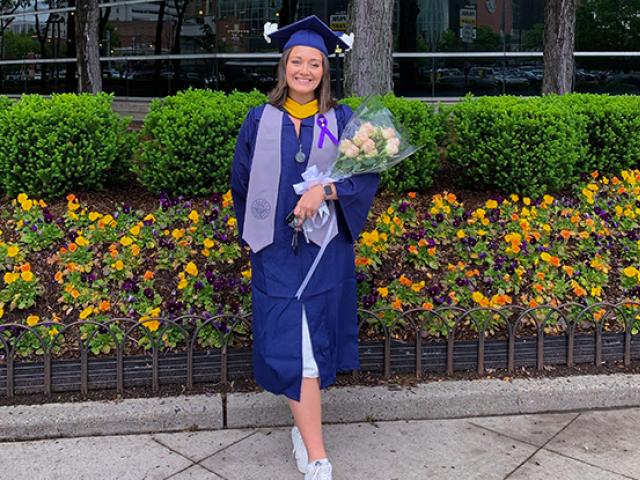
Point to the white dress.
(309, 366)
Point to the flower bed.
(70, 263)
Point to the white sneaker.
(319, 470)
(299, 450)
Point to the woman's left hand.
(309, 203)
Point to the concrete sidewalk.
(592, 445)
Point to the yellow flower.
(545, 257)
(208, 243)
(514, 197)
(246, 273)
(526, 201)
(1, 310)
(193, 216)
(232, 222)
(126, 241)
(191, 269)
(477, 297)
(596, 291)
(416, 287)
(460, 234)
(26, 205)
(152, 325)
(630, 272)
(154, 312)
(26, 276)
(93, 216)
(81, 241)
(12, 251)
(491, 204)
(135, 230)
(119, 265)
(177, 233)
(227, 199)
(390, 210)
(135, 250)
(22, 197)
(32, 320)
(548, 199)
(182, 284)
(53, 332)
(383, 292)
(10, 277)
(86, 312)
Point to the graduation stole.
(264, 177)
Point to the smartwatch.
(327, 190)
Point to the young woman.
(300, 343)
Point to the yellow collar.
(298, 110)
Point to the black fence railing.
(584, 334)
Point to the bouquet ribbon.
(313, 176)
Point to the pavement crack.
(541, 447)
(599, 467)
(224, 448)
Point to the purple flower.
(48, 218)
(198, 286)
(149, 293)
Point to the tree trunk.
(368, 66)
(87, 43)
(70, 70)
(407, 37)
(158, 46)
(559, 41)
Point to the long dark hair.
(280, 92)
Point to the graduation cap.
(309, 32)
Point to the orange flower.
(148, 275)
(555, 261)
(412, 194)
(427, 306)
(25, 268)
(533, 303)
(413, 249)
(540, 275)
(72, 247)
(63, 250)
(58, 277)
(568, 270)
(71, 197)
(362, 262)
(104, 306)
(566, 234)
(405, 281)
(75, 293)
(538, 288)
(397, 304)
(422, 243)
(432, 251)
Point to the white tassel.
(269, 28)
(348, 39)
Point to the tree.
(368, 67)
(559, 41)
(88, 49)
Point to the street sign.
(338, 22)
(468, 23)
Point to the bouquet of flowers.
(372, 142)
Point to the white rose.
(360, 137)
(391, 149)
(389, 133)
(345, 145)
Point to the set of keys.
(296, 225)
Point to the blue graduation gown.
(330, 297)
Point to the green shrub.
(49, 147)
(189, 140)
(418, 118)
(527, 146)
(612, 128)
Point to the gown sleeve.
(355, 194)
(241, 168)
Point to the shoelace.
(317, 473)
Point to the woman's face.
(304, 69)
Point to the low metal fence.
(585, 334)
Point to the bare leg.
(307, 414)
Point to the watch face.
(327, 190)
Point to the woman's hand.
(309, 203)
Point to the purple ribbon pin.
(322, 123)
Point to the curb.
(437, 400)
